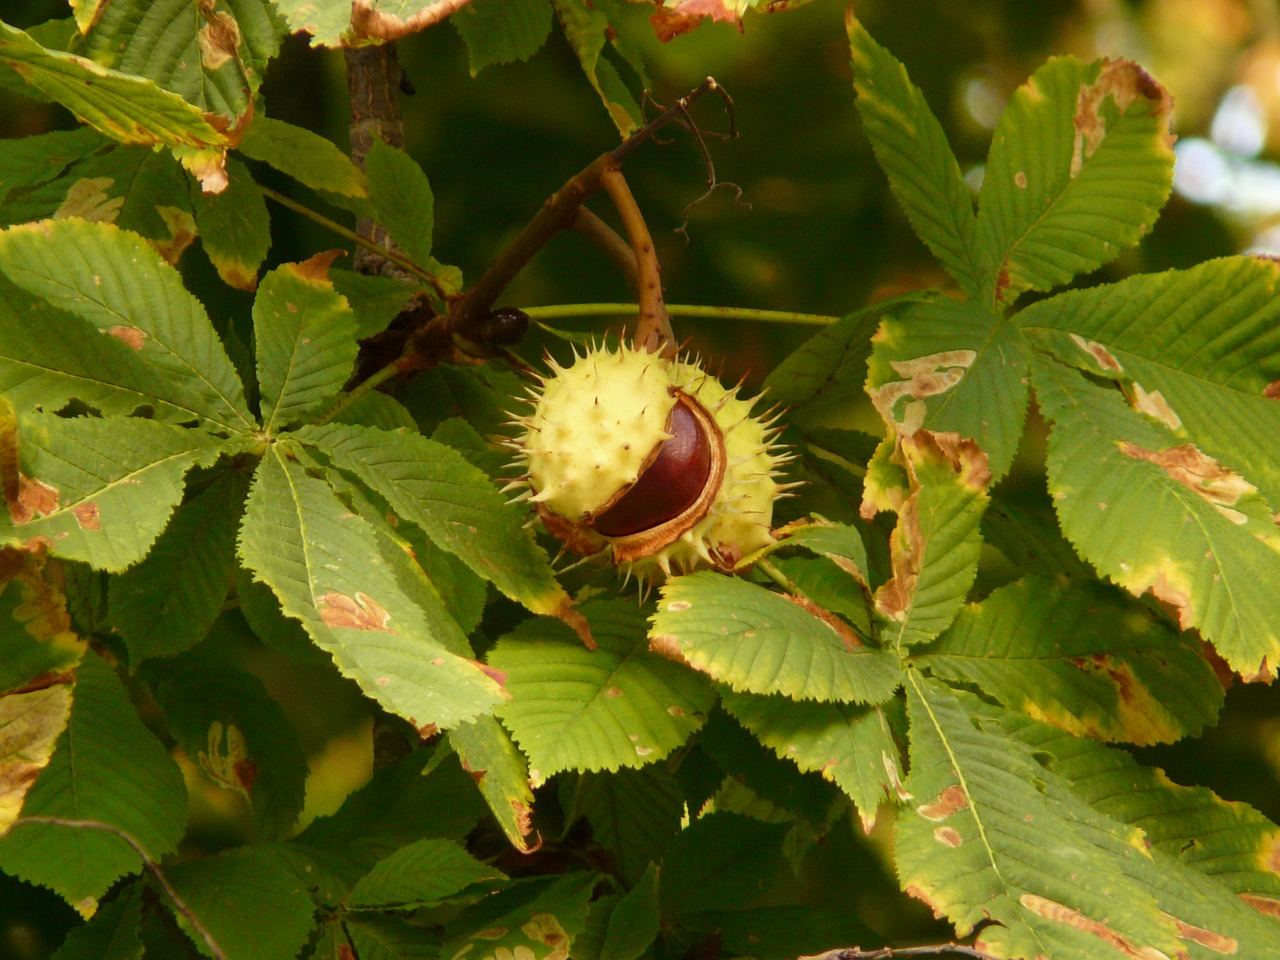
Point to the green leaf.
(912, 149)
(389, 938)
(30, 161)
(935, 545)
(984, 845)
(787, 931)
(500, 31)
(304, 338)
(634, 815)
(455, 504)
(422, 874)
(167, 603)
(113, 279)
(106, 767)
(585, 28)
(1078, 656)
(633, 924)
(36, 634)
(1197, 350)
(577, 709)
(325, 20)
(486, 752)
(952, 367)
(850, 745)
(536, 919)
(721, 860)
(31, 721)
(230, 726)
(1080, 165)
(376, 300)
(1154, 513)
(761, 642)
(111, 934)
(234, 227)
(234, 892)
(1028, 536)
(306, 156)
(325, 565)
(100, 490)
(402, 199)
(213, 58)
(125, 108)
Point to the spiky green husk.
(595, 423)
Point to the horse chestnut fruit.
(649, 461)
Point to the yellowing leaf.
(30, 723)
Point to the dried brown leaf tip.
(1201, 474)
(315, 269)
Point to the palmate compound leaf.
(117, 282)
(126, 108)
(757, 641)
(421, 874)
(325, 565)
(935, 546)
(213, 58)
(1154, 513)
(1080, 165)
(1191, 826)
(981, 842)
(619, 705)
(1079, 656)
(912, 149)
(106, 767)
(454, 503)
(501, 773)
(304, 338)
(850, 745)
(1197, 350)
(1208, 862)
(953, 367)
(99, 490)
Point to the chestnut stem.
(653, 325)
(606, 239)
(561, 311)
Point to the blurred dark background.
(822, 234)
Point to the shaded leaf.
(402, 199)
(422, 874)
(230, 727)
(500, 31)
(306, 156)
(100, 490)
(111, 934)
(304, 339)
(325, 566)
(912, 149)
(167, 603)
(117, 282)
(486, 752)
(633, 924)
(1077, 656)
(1080, 165)
(760, 642)
(30, 723)
(1154, 513)
(721, 860)
(377, 937)
(235, 227)
(586, 28)
(577, 709)
(375, 300)
(37, 639)
(535, 920)
(784, 932)
(634, 815)
(106, 767)
(29, 161)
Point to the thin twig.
(889, 953)
(673, 114)
(560, 311)
(153, 868)
(610, 244)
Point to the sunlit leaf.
(30, 723)
(306, 156)
(912, 149)
(1077, 656)
(1155, 513)
(325, 566)
(761, 642)
(500, 771)
(106, 767)
(1080, 165)
(577, 709)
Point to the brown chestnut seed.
(671, 484)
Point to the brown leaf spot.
(345, 952)
(1200, 473)
(87, 199)
(1155, 406)
(38, 543)
(131, 337)
(847, 636)
(1061, 913)
(546, 929)
(1104, 357)
(947, 836)
(493, 673)
(315, 269)
(1266, 905)
(922, 377)
(949, 801)
(1216, 942)
(1125, 82)
(427, 731)
(219, 38)
(613, 692)
(360, 612)
(35, 499)
(87, 516)
(895, 776)
(1272, 390)
(1020, 180)
(246, 773)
